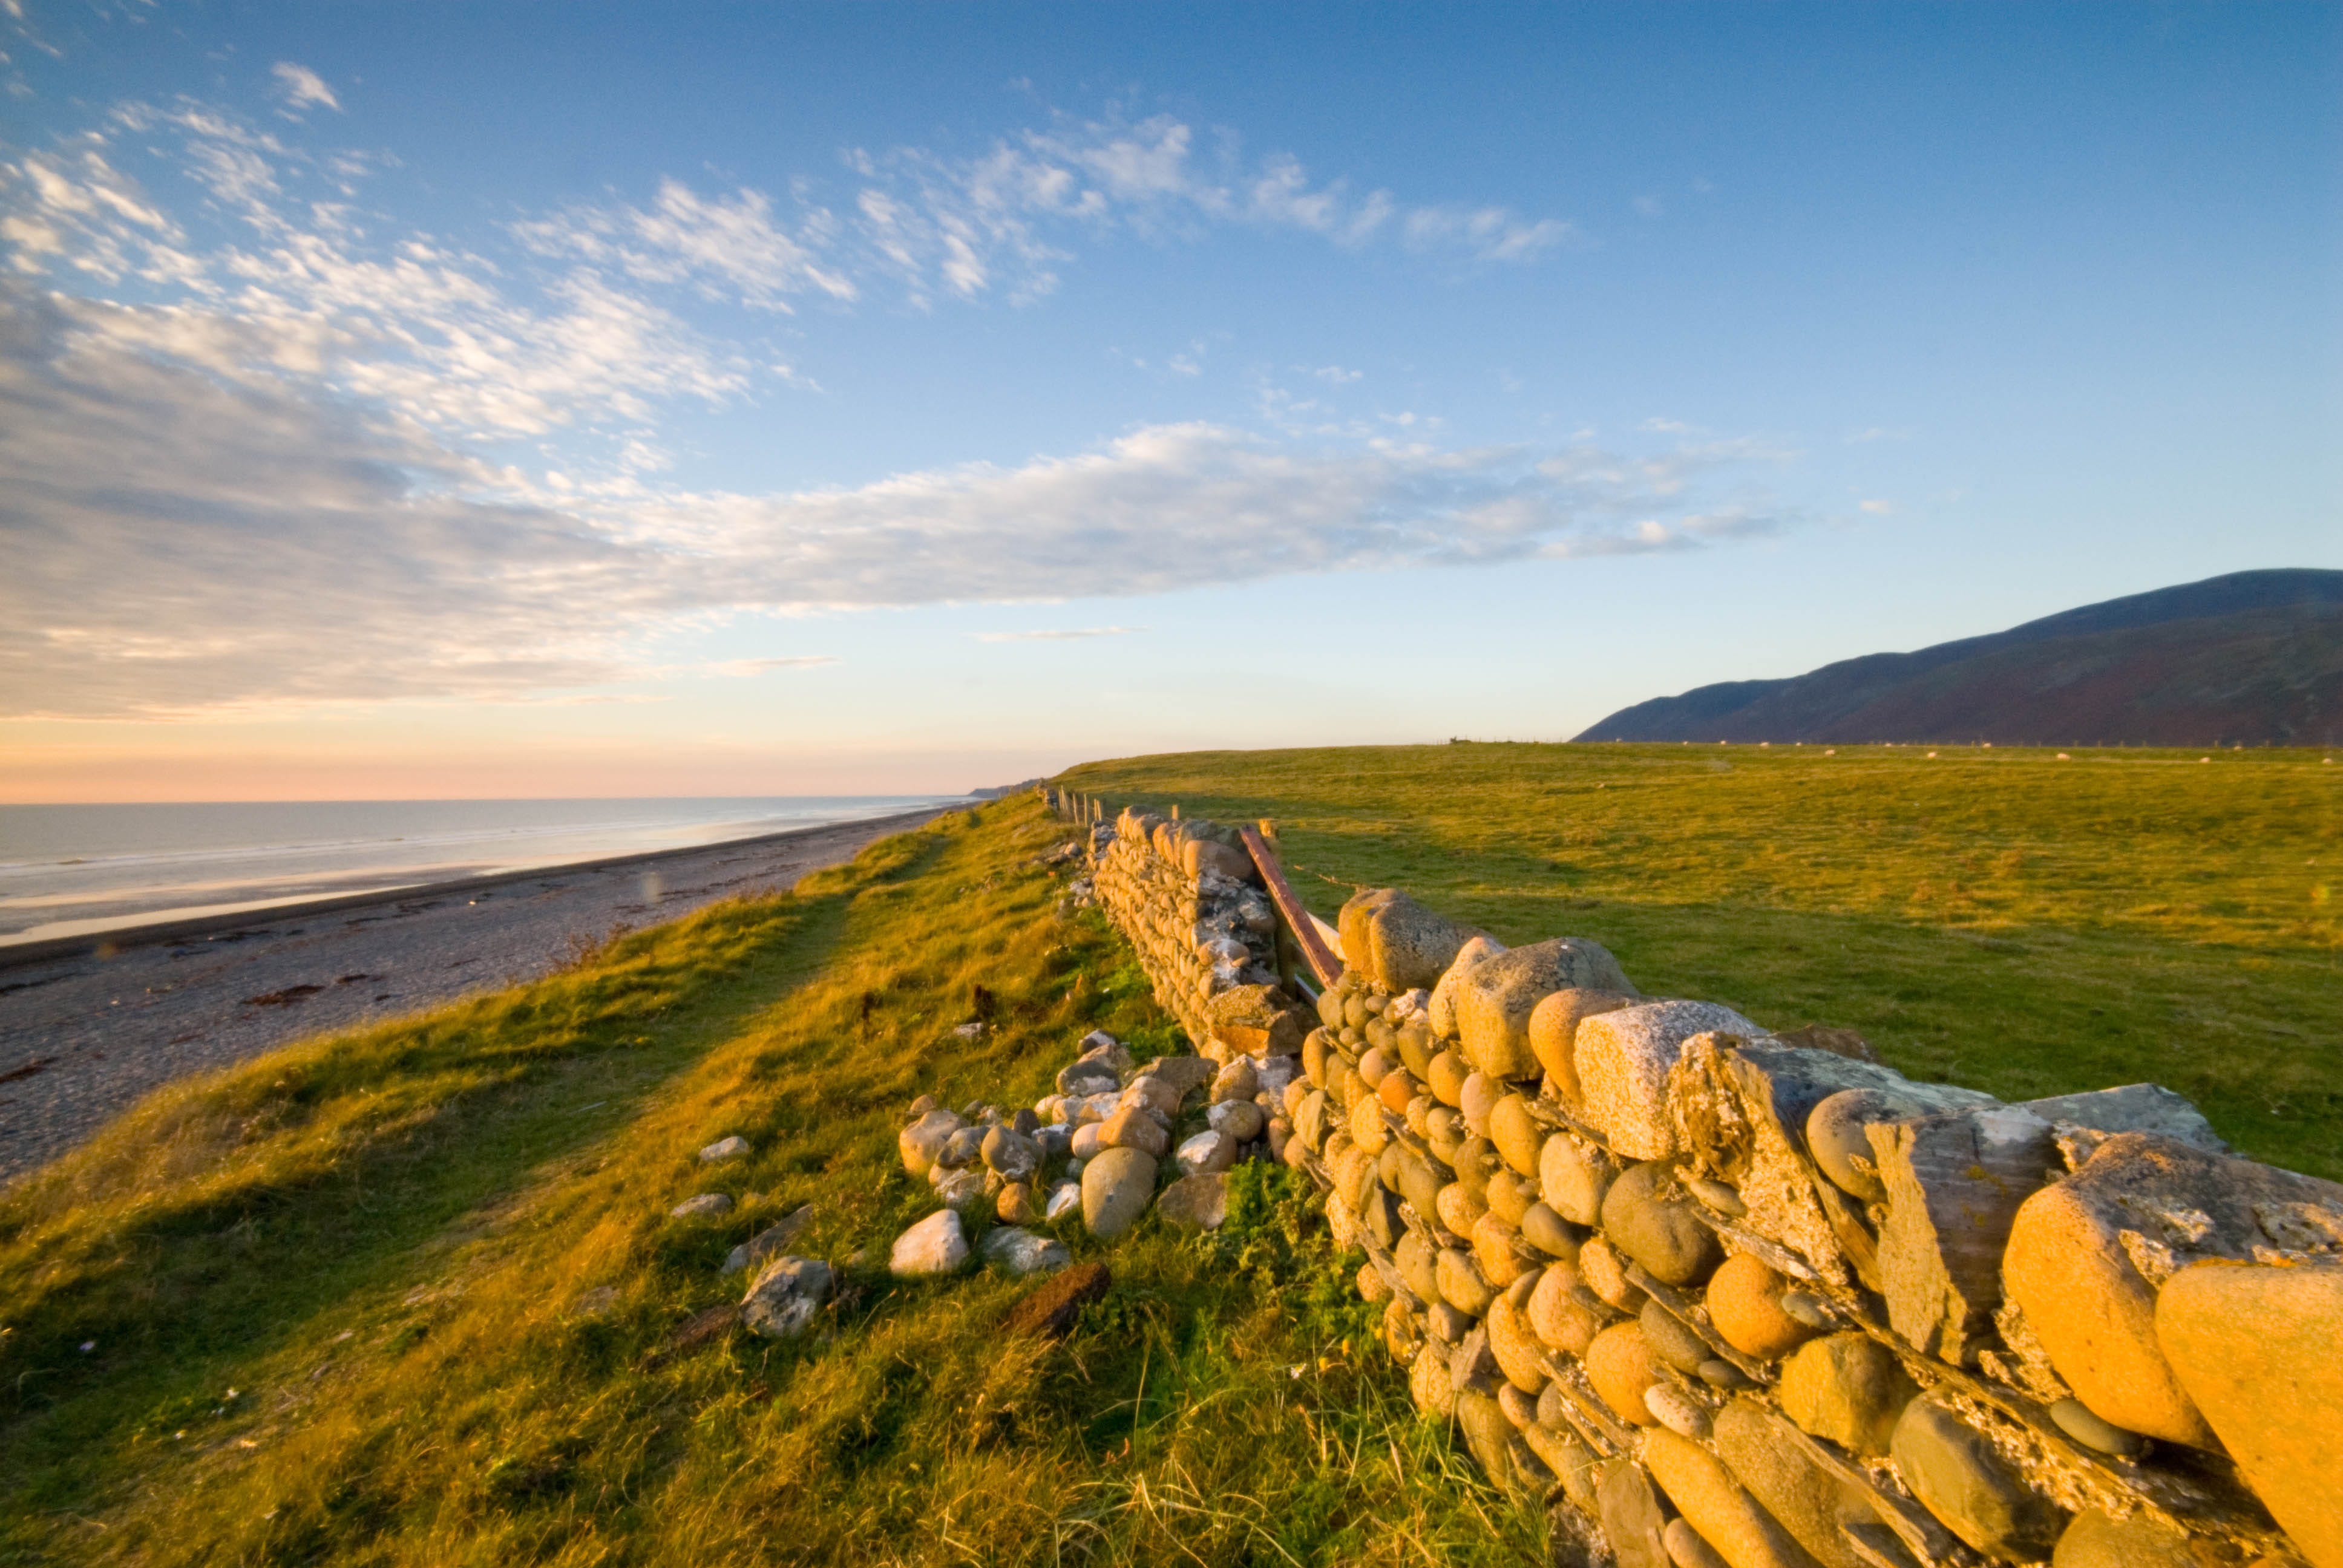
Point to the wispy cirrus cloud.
(302, 89)
(260, 454)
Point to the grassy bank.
(412, 1296)
(1993, 917)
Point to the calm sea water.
(67, 870)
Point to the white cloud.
(1878, 508)
(729, 245)
(303, 89)
(173, 541)
(1650, 207)
(249, 456)
(1072, 633)
(1337, 375)
(433, 330)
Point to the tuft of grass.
(1995, 917)
(413, 1295)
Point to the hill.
(2253, 659)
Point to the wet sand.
(82, 1036)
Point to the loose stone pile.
(1112, 1140)
(1726, 1295)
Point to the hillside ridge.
(2249, 659)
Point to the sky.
(438, 401)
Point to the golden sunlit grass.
(1995, 916)
(401, 1297)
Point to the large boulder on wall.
(1624, 1058)
(2088, 1256)
(1496, 997)
(1395, 941)
(2254, 1347)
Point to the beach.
(82, 1036)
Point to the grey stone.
(1089, 1076)
(1099, 1046)
(1672, 1341)
(1065, 1198)
(786, 1296)
(1184, 1075)
(1624, 1058)
(707, 1206)
(965, 1192)
(1685, 1549)
(963, 1147)
(1972, 1490)
(1629, 1505)
(936, 1245)
(1207, 1153)
(1116, 1189)
(1486, 1431)
(1010, 1153)
(1136, 1127)
(1846, 1387)
(1462, 1283)
(1021, 1251)
(723, 1148)
(1572, 1177)
(1237, 1080)
(1803, 1498)
(1676, 1410)
(767, 1242)
(1396, 941)
(1200, 1200)
(2074, 1419)
(1240, 1119)
(2097, 1539)
(1837, 1136)
(1495, 997)
(1550, 1233)
(2133, 1108)
(1472, 1364)
(1427, 1381)
(1645, 1217)
(1440, 1009)
(923, 1140)
(1955, 1181)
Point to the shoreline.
(120, 939)
(90, 1024)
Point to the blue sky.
(600, 400)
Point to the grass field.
(1993, 917)
(328, 1307)
(333, 1306)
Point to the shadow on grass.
(169, 1292)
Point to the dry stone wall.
(1720, 1294)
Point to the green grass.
(1993, 917)
(333, 1297)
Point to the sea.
(68, 870)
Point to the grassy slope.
(379, 1244)
(1991, 916)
